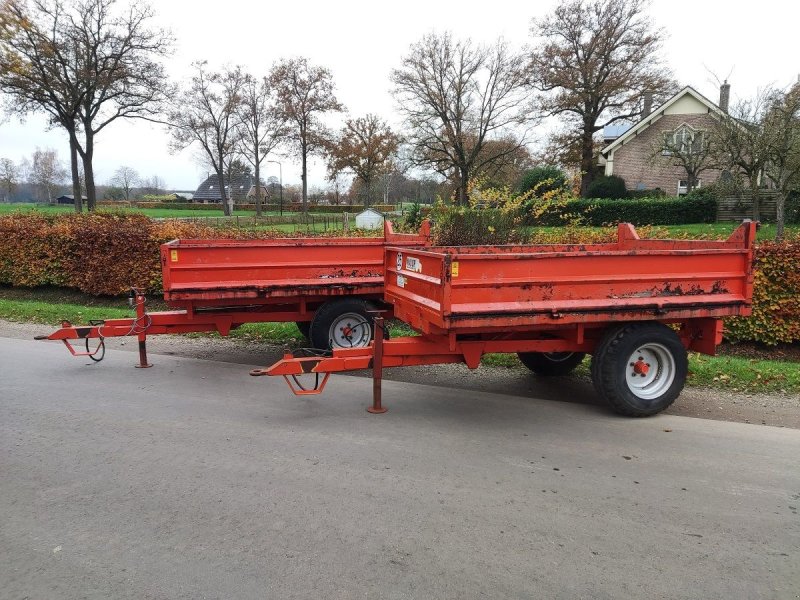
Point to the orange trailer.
(636, 305)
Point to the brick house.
(633, 153)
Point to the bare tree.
(456, 97)
(743, 145)
(262, 127)
(208, 113)
(592, 62)
(338, 180)
(46, 172)
(9, 178)
(693, 150)
(782, 126)
(33, 76)
(126, 178)
(154, 185)
(86, 63)
(364, 147)
(305, 93)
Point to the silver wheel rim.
(350, 330)
(650, 371)
(558, 357)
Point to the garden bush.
(460, 226)
(607, 186)
(542, 180)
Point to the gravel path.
(781, 410)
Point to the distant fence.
(291, 223)
(737, 208)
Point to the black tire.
(333, 318)
(639, 368)
(550, 364)
(304, 327)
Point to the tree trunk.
(463, 187)
(223, 197)
(754, 191)
(258, 186)
(367, 195)
(780, 205)
(304, 156)
(88, 175)
(587, 160)
(77, 192)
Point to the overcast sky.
(361, 42)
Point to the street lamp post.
(280, 174)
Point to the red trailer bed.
(215, 271)
(467, 289)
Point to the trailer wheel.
(342, 324)
(549, 364)
(640, 368)
(304, 327)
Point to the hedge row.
(107, 253)
(639, 211)
(776, 297)
(100, 254)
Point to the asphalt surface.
(193, 480)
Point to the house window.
(683, 186)
(684, 140)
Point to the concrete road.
(193, 480)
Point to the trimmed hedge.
(100, 253)
(639, 211)
(776, 297)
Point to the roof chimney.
(647, 104)
(724, 96)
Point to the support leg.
(141, 319)
(377, 368)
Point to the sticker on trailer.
(399, 261)
(173, 255)
(413, 264)
(454, 269)
(401, 281)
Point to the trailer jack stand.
(143, 364)
(377, 368)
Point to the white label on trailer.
(413, 264)
(399, 261)
(401, 281)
